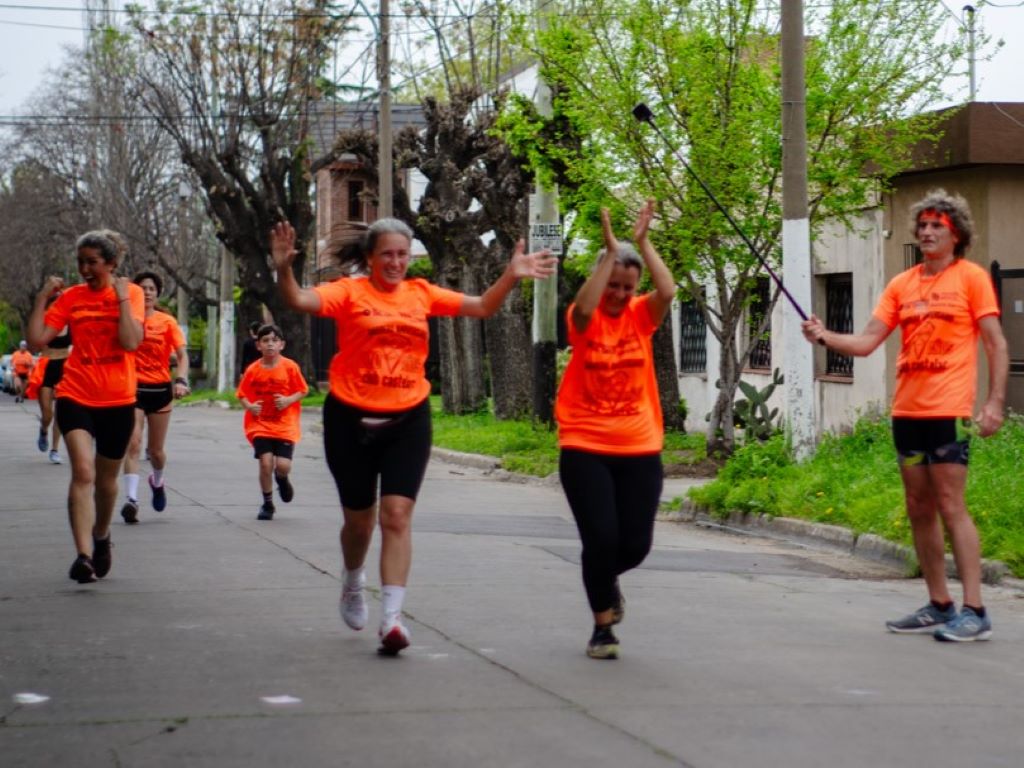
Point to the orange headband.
(942, 217)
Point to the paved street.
(736, 651)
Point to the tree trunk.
(461, 349)
(721, 429)
(509, 350)
(667, 375)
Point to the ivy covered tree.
(710, 70)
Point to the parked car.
(6, 374)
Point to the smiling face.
(95, 271)
(389, 261)
(620, 289)
(935, 236)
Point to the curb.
(865, 545)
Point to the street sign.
(546, 235)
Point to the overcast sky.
(33, 34)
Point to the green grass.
(853, 481)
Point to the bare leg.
(267, 472)
(929, 543)
(131, 458)
(81, 501)
(949, 481)
(356, 533)
(106, 494)
(157, 424)
(396, 539)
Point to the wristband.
(183, 382)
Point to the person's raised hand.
(538, 265)
(643, 221)
(611, 243)
(282, 244)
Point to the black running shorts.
(111, 427)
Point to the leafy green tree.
(710, 70)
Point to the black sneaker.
(284, 488)
(159, 495)
(42, 443)
(618, 606)
(130, 511)
(603, 644)
(82, 570)
(266, 512)
(101, 556)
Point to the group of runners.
(377, 423)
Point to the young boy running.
(270, 391)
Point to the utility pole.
(796, 234)
(226, 357)
(184, 193)
(384, 161)
(545, 232)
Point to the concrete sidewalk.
(215, 640)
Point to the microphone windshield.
(642, 113)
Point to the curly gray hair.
(954, 206)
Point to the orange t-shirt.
(152, 358)
(383, 340)
(260, 383)
(99, 372)
(608, 401)
(35, 379)
(21, 359)
(936, 370)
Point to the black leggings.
(394, 453)
(614, 500)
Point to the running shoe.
(55, 458)
(42, 443)
(603, 644)
(284, 487)
(966, 627)
(266, 512)
(618, 606)
(101, 556)
(922, 620)
(393, 636)
(82, 570)
(130, 511)
(159, 495)
(352, 607)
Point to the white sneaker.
(393, 636)
(352, 607)
(55, 458)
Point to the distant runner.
(270, 391)
(154, 396)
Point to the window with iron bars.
(839, 318)
(693, 353)
(761, 354)
(911, 255)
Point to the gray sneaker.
(922, 620)
(966, 627)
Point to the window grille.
(911, 255)
(693, 353)
(839, 318)
(761, 353)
